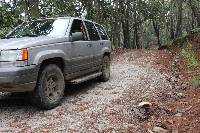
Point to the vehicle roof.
(67, 18)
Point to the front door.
(82, 52)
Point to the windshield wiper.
(7, 37)
(29, 35)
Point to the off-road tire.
(105, 69)
(50, 87)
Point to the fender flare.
(48, 54)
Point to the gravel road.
(92, 106)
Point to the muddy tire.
(105, 69)
(50, 87)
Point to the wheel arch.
(59, 61)
(107, 54)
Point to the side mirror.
(77, 36)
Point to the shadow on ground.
(73, 90)
(21, 100)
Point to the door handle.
(101, 43)
(89, 45)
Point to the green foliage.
(3, 32)
(179, 42)
(189, 56)
(9, 16)
(137, 16)
(196, 30)
(196, 82)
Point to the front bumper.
(18, 79)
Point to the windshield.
(37, 28)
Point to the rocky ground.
(137, 76)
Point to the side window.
(102, 32)
(92, 31)
(78, 26)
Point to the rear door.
(95, 41)
(104, 42)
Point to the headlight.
(14, 55)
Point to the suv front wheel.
(105, 69)
(50, 87)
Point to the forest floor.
(137, 76)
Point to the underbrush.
(187, 49)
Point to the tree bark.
(172, 36)
(195, 10)
(32, 9)
(136, 38)
(157, 32)
(124, 11)
(27, 10)
(89, 9)
(179, 19)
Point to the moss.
(3, 32)
(196, 82)
(196, 30)
(183, 46)
(189, 56)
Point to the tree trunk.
(195, 10)
(126, 33)
(34, 9)
(157, 32)
(89, 9)
(98, 11)
(27, 10)
(124, 12)
(179, 19)
(172, 36)
(136, 38)
(193, 21)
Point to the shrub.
(189, 56)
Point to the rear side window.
(92, 31)
(102, 32)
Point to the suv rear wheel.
(105, 69)
(50, 87)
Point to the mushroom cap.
(144, 104)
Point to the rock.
(142, 110)
(140, 113)
(149, 131)
(145, 108)
(184, 86)
(174, 79)
(159, 130)
(180, 95)
(179, 115)
(187, 109)
(175, 131)
(170, 121)
(144, 105)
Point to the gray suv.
(41, 56)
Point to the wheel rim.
(52, 88)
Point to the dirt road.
(92, 106)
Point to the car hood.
(27, 42)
